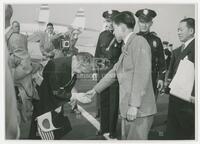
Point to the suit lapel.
(125, 49)
(132, 36)
(187, 50)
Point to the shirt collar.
(127, 37)
(188, 42)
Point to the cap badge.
(145, 12)
(110, 12)
(154, 44)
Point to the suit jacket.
(56, 73)
(105, 38)
(158, 59)
(133, 71)
(177, 56)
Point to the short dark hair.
(49, 24)
(125, 17)
(15, 22)
(190, 23)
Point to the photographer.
(65, 43)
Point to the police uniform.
(158, 60)
(110, 49)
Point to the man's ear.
(192, 31)
(123, 27)
(151, 23)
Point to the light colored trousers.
(137, 129)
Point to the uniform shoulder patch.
(155, 43)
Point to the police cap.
(110, 14)
(145, 15)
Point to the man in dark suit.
(181, 114)
(109, 49)
(145, 22)
(57, 74)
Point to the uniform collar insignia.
(110, 12)
(145, 12)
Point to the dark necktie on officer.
(71, 83)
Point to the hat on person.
(110, 14)
(49, 24)
(145, 15)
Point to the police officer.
(108, 49)
(145, 22)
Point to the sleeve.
(142, 71)
(171, 65)
(49, 75)
(161, 61)
(107, 80)
(12, 113)
(98, 48)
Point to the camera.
(65, 43)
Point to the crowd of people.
(35, 94)
(138, 73)
(141, 67)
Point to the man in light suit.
(181, 114)
(133, 71)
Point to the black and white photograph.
(100, 71)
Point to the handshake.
(83, 97)
(90, 94)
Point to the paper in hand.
(183, 81)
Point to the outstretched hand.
(91, 93)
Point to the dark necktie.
(182, 47)
(123, 45)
